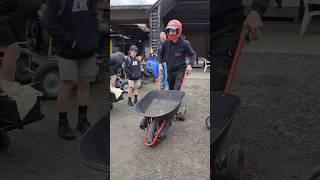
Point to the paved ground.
(278, 125)
(278, 81)
(183, 155)
(38, 153)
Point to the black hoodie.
(176, 54)
(73, 22)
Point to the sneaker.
(65, 131)
(83, 125)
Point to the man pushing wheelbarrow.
(159, 108)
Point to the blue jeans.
(164, 81)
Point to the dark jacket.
(132, 68)
(227, 11)
(71, 24)
(176, 54)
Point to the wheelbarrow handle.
(244, 38)
(183, 81)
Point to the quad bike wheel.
(125, 86)
(22, 76)
(4, 140)
(46, 79)
(235, 163)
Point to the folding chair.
(308, 14)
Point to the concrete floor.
(183, 155)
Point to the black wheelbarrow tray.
(93, 146)
(226, 165)
(225, 109)
(10, 120)
(160, 104)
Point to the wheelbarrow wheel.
(183, 113)
(151, 129)
(208, 122)
(235, 163)
(313, 174)
(4, 140)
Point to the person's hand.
(253, 22)
(189, 69)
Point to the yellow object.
(110, 46)
(151, 51)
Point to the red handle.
(183, 81)
(236, 59)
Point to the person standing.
(74, 28)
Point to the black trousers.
(224, 44)
(175, 79)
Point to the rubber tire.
(41, 73)
(4, 140)
(208, 122)
(313, 174)
(125, 86)
(235, 163)
(183, 113)
(23, 76)
(151, 129)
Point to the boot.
(130, 102)
(83, 124)
(136, 100)
(65, 131)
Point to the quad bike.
(37, 63)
